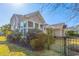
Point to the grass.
(46, 52)
(5, 51)
(14, 47)
(2, 38)
(8, 49)
(74, 41)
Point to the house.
(26, 23)
(58, 29)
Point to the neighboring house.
(25, 23)
(58, 29)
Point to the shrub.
(17, 39)
(35, 39)
(71, 33)
(38, 41)
(11, 38)
(14, 38)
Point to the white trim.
(33, 25)
(26, 25)
(39, 26)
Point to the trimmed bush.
(38, 41)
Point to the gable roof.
(14, 16)
(33, 14)
(36, 13)
(58, 24)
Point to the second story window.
(30, 24)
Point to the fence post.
(65, 46)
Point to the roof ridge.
(57, 24)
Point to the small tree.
(71, 33)
(6, 29)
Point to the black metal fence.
(66, 46)
(71, 46)
(58, 46)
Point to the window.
(36, 25)
(21, 24)
(30, 24)
(41, 26)
(24, 24)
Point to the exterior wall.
(59, 32)
(34, 25)
(13, 23)
(58, 29)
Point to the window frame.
(36, 25)
(30, 23)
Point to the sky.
(50, 15)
